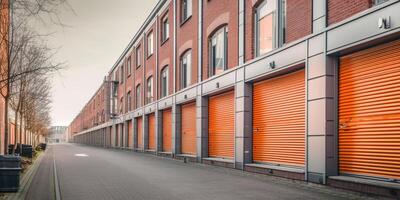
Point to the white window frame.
(138, 56)
(164, 86)
(150, 44)
(186, 10)
(222, 30)
(129, 66)
(149, 91)
(186, 62)
(138, 96)
(165, 28)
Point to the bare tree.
(27, 56)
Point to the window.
(121, 107)
(129, 67)
(218, 51)
(186, 69)
(138, 98)
(138, 57)
(121, 71)
(186, 10)
(129, 101)
(377, 2)
(149, 96)
(265, 27)
(165, 29)
(164, 82)
(150, 45)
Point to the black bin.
(10, 169)
(43, 146)
(27, 151)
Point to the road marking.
(56, 183)
(81, 155)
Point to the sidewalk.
(42, 185)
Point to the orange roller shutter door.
(167, 130)
(189, 129)
(130, 134)
(369, 112)
(152, 132)
(221, 127)
(139, 133)
(279, 120)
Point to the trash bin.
(42, 146)
(27, 151)
(10, 169)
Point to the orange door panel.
(130, 134)
(369, 112)
(117, 135)
(189, 129)
(152, 132)
(279, 120)
(139, 133)
(221, 129)
(167, 130)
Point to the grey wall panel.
(363, 28)
(284, 58)
(224, 81)
(165, 103)
(150, 108)
(186, 95)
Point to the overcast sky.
(99, 32)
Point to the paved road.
(95, 173)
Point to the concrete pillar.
(243, 124)
(125, 125)
(113, 134)
(176, 129)
(201, 126)
(321, 155)
(158, 129)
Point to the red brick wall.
(165, 50)
(187, 34)
(217, 13)
(150, 67)
(339, 10)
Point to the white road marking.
(81, 155)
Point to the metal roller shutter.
(369, 112)
(189, 129)
(167, 129)
(139, 133)
(130, 134)
(152, 132)
(221, 127)
(279, 120)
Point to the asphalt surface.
(95, 173)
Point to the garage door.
(152, 132)
(279, 120)
(167, 130)
(221, 129)
(189, 129)
(130, 134)
(117, 135)
(369, 112)
(139, 132)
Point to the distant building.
(57, 134)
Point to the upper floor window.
(150, 45)
(129, 67)
(138, 96)
(129, 101)
(149, 96)
(121, 107)
(186, 10)
(218, 51)
(186, 69)
(138, 57)
(121, 71)
(164, 82)
(377, 2)
(165, 29)
(266, 21)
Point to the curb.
(26, 180)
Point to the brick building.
(305, 89)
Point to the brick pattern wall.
(339, 10)
(216, 14)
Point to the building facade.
(4, 33)
(305, 89)
(57, 134)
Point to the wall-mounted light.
(272, 65)
(384, 23)
(217, 85)
(185, 96)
